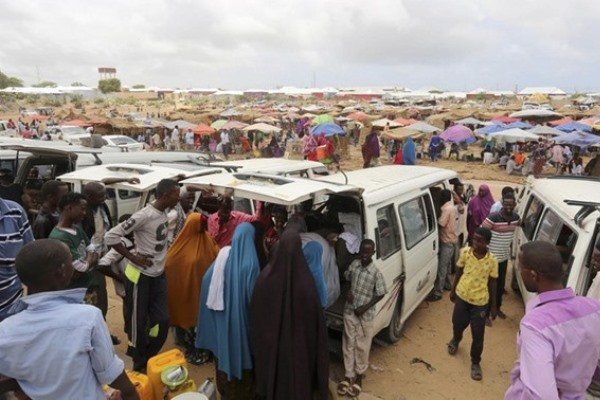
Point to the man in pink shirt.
(222, 224)
(558, 341)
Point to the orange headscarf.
(188, 258)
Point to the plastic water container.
(321, 152)
(142, 384)
(158, 363)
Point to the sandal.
(356, 387)
(476, 373)
(343, 387)
(452, 347)
(198, 357)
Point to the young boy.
(367, 287)
(473, 289)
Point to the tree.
(45, 84)
(77, 84)
(9, 81)
(139, 86)
(109, 85)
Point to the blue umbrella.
(518, 124)
(577, 138)
(491, 129)
(574, 126)
(327, 129)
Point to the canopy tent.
(519, 124)
(514, 135)
(358, 116)
(267, 119)
(575, 138)
(545, 131)
(322, 119)
(233, 125)
(574, 126)
(458, 134)
(402, 133)
(491, 129)
(218, 123)
(181, 123)
(535, 113)
(383, 122)
(503, 119)
(262, 127)
(327, 129)
(561, 121)
(423, 127)
(469, 121)
(230, 113)
(405, 121)
(203, 129)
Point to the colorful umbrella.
(203, 129)
(581, 139)
(491, 129)
(574, 126)
(518, 124)
(514, 135)
(322, 119)
(327, 130)
(458, 134)
(218, 123)
(262, 127)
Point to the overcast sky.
(455, 45)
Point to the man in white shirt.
(175, 138)
(512, 168)
(189, 139)
(225, 143)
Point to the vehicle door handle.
(434, 245)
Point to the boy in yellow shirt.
(473, 290)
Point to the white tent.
(545, 131)
(382, 123)
(469, 121)
(514, 135)
(535, 113)
(262, 127)
(423, 127)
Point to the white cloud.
(459, 44)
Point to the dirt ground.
(392, 375)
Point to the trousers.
(356, 344)
(502, 267)
(466, 314)
(447, 258)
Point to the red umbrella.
(358, 116)
(77, 122)
(202, 129)
(505, 119)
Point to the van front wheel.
(393, 332)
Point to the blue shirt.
(58, 348)
(15, 233)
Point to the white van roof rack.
(587, 207)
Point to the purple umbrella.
(458, 134)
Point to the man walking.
(503, 225)
(448, 245)
(146, 286)
(558, 342)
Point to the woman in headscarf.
(309, 147)
(370, 150)
(224, 321)
(409, 152)
(289, 336)
(187, 260)
(399, 157)
(478, 209)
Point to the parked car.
(69, 133)
(396, 207)
(562, 210)
(122, 141)
(6, 131)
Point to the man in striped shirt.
(503, 225)
(15, 233)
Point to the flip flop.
(343, 387)
(452, 347)
(354, 390)
(476, 373)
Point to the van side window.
(553, 230)
(128, 194)
(532, 216)
(417, 219)
(388, 234)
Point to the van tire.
(394, 331)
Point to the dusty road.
(392, 376)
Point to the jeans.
(445, 261)
(502, 266)
(466, 314)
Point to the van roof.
(372, 180)
(149, 176)
(278, 166)
(557, 189)
(270, 188)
